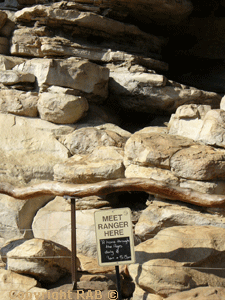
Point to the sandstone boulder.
(140, 294)
(10, 77)
(163, 214)
(76, 74)
(153, 149)
(8, 62)
(188, 120)
(199, 122)
(152, 173)
(29, 154)
(83, 23)
(180, 258)
(17, 216)
(58, 212)
(18, 102)
(85, 140)
(61, 108)
(199, 162)
(43, 260)
(200, 293)
(212, 131)
(14, 285)
(104, 163)
(147, 92)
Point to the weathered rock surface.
(58, 212)
(201, 293)
(188, 120)
(199, 122)
(35, 258)
(152, 173)
(10, 77)
(17, 216)
(80, 24)
(31, 153)
(212, 132)
(18, 102)
(140, 294)
(169, 262)
(85, 140)
(61, 108)
(153, 93)
(153, 149)
(76, 74)
(104, 163)
(199, 162)
(161, 214)
(9, 62)
(14, 285)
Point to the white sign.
(114, 237)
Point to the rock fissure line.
(111, 186)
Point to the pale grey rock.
(61, 108)
(18, 102)
(10, 77)
(76, 74)
(8, 62)
(85, 140)
(199, 162)
(188, 120)
(58, 212)
(146, 92)
(27, 259)
(169, 262)
(29, 154)
(212, 132)
(199, 122)
(17, 216)
(222, 103)
(163, 214)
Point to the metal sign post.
(118, 283)
(73, 242)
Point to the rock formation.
(118, 103)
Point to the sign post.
(73, 242)
(114, 238)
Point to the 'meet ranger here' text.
(113, 225)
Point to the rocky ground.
(96, 90)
